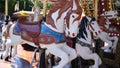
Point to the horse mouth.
(72, 35)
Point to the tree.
(11, 4)
(2, 3)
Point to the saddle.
(32, 32)
(23, 26)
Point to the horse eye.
(92, 23)
(73, 16)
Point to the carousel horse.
(84, 40)
(5, 25)
(104, 24)
(50, 34)
(1, 24)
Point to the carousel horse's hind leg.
(70, 51)
(7, 49)
(86, 54)
(57, 51)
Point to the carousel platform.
(24, 57)
(21, 60)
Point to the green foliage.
(2, 7)
(49, 6)
(11, 4)
(41, 5)
(23, 5)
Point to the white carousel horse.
(104, 25)
(27, 14)
(110, 14)
(84, 40)
(60, 19)
(4, 29)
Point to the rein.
(84, 44)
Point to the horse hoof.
(1, 57)
(91, 66)
(56, 67)
(7, 59)
(103, 48)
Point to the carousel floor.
(24, 58)
(21, 60)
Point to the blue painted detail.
(0, 25)
(17, 28)
(60, 37)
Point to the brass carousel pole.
(35, 4)
(45, 7)
(6, 12)
(6, 7)
(96, 8)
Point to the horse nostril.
(73, 34)
(68, 33)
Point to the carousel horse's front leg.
(71, 52)
(104, 37)
(59, 52)
(115, 41)
(87, 54)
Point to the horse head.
(110, 14)
(105, 18)
(93, 25)
(88, 25)
(65, 16)
(72, 19)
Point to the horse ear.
(74, 5)
(88, 18)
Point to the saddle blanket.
(39, 34)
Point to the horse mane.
(62, 5)
(93, 19)
(101, 21)
(82, 28)
(58, 5)
(79, 11)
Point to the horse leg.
(86, 54)
(71, 52)
(115, 41)
(6, 52)
(104, 37)
(14, 50)
(57, 51)
(3, 43)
